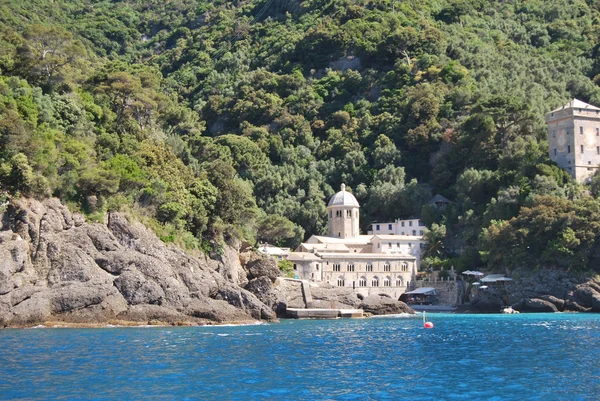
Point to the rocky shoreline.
(55, 267)
(544, 290)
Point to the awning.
(472, 273)
(494, 278)
(422, 291)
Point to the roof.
(424, 291)
(360, 240)
(439, 199)
(273, 250)
(472, 273)
(343, 198)
(302, 256)
(494, 278)
(374, 256)
(576, 104)
(397, 237)
(329, 247)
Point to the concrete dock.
(324, 313)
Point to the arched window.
(369, 267)
(387, 282)
(350, 267)
(362, 282)
(375, 282)
(404, 266)
(340, 281)
(399, 282)
(387, 267)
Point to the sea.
(463, 357)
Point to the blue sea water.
(464, 357)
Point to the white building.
(380, 262)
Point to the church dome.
(343, 198)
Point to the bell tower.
(343, 215)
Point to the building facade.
(369, 264)
(574, 138)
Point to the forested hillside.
(216, 119)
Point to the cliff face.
(56, 267)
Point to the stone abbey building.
(384, 261)
(574, 138)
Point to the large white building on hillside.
(574, 138)
(384, 261)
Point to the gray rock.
(535, 305)
(558, 303)
(56, 267)
(382, 305)
(263, 267)
(573, 306)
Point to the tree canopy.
(216, 119)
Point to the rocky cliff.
(544, 290)
(56, 267)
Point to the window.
(421, 223)
(375, 282)
(377, 227)
(569, 149)
(404, 266)
(589, 162)
(340, 282)
(387, 282)
(402, 224)
(420, 232)
(387, 267)
(414, 232)
(410, 223)
(317, 267)
(362, 282)
(580, 130)
(399, 282)
(597, 131)
(553, 133)
(554, 151)
(350, 267)
(598, 150)
(295, 267)
(581, 148)
(420, 245)
(348, 213)
(369, 267)
(397, 245)
(389, 226)
(339, 234)
(390, 245)
(336, 267)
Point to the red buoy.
(426, 324)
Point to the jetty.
(294, 313)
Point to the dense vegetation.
(216, 119)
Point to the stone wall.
(449, 292)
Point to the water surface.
(464, 357)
